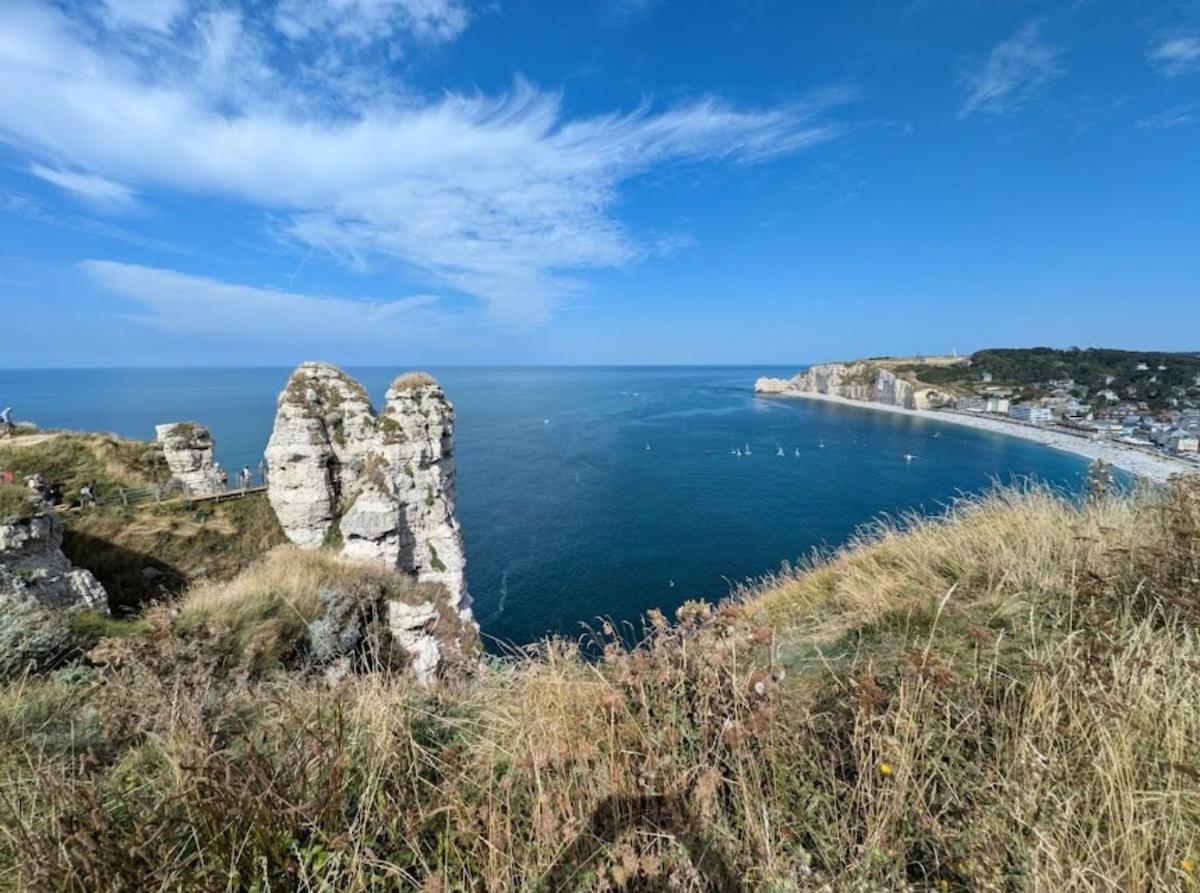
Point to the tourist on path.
(87, 495)
(7, 418)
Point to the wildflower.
(885, 769)
(1188, 865)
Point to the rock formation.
(33, 567)
(855, 381)
(380, 488)
(188, 450)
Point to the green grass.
(15, 502)
(73, 460)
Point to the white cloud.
(157, 15)
(93, 188)
(500, 197)
(1014, 70)
(1172, 117)
(366, 21)
(1176, 55)
(196, 305)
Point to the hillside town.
(1104, 413)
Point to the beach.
(1136, 461)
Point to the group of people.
(245, 477)
(52, 494)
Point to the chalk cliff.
(33, 567)
(854, 381)
(380, 488)
(188, 450)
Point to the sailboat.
(738, 453)
(778, 451)
(797, 452)
(647, 445)
(746, 451)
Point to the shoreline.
(1131, 459)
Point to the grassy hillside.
(146, 552)
(1003, 700)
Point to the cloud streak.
(198, 306)
(1014, 71)
(1176, 55)
(502, 197)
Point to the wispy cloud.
(501, 197)
(1176, 54)
(1014, 71)
(157, 15)
(91, 187)
(199, 306)
(367, 21)
(1172, 117)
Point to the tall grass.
(1004, 700)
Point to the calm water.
(567, 514)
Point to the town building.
(1031, 413)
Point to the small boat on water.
(797, 452)
(746, 451)
(647, 444)
(778, 451)
(738, 453)
(908, 457)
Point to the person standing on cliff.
(7, 418)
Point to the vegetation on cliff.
(1004, 699)
(146, 552)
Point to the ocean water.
(603, 492)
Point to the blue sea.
(603, 492)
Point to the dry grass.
(1005, 701)
(412, 380)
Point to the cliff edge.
(864, 381)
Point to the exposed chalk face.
(853, 381)
(34, 568)
(188, 450)
(382, 485)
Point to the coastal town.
(1138, 411)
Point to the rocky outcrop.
(33, 567)
(380, 488)
(39, 593)
(188, 450)
(855, 381)
(323, 427)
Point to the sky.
(443, 182)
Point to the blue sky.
(422, 182)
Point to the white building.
(1183, 442)
(1031, 412)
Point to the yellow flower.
(1188, 865)
(885, 768)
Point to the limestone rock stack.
(188, 450)
(323, 427)
(381, 487)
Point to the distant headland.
(1136, 410)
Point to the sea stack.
(378, 488)
(188, 450)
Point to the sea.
(598, 493)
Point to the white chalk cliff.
(854, 381)
(33, 567)
(380, 488)
(188, 450)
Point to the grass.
(108, 461)
(411, 381)
(1001, 700)
(151, 552)
(15, 502)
